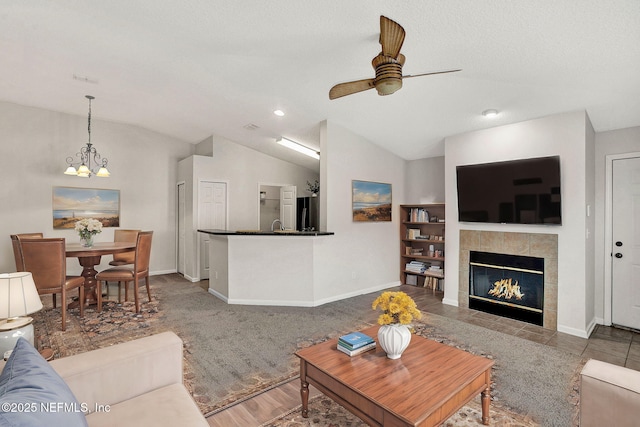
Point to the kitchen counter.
(257, 267)
(265, 232)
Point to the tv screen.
(525, 191)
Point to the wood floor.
(608, 344)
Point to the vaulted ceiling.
(199, 67)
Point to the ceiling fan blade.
(344, 89)
(428, 74)
(391, 37)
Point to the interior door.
(181, 242)
(288, 207)
(212, 214)
(625, 269)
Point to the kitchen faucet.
(274, 223)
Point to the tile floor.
(609, 344)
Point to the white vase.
(394, 339)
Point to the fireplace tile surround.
(529, 244)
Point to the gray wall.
(33, 147)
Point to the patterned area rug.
(324, 412)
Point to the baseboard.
(453, 302)
(161, 272)
(577, 332)
(305, 303)
(218, 295)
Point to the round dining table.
(89, 257)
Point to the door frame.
(270, 184)
(608, 231)
(184, 187)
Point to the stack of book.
(416, 266)
(355, 343)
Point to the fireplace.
(507, 285)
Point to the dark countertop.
(265, 233)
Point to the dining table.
(89, 257)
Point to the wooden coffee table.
(427, 385)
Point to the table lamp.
(18, 297)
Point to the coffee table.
(427, 385)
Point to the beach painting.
(72, 204)
(371, 201)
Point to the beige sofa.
(137, 383)
(609, 395)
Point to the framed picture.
(72, 204)
(371, 201)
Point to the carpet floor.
(232, 351)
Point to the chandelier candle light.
(87, 228)
(86, 153)
(398, 310)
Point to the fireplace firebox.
(507, 285)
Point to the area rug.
(324, 412)
(233, 352)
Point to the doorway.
(622, 253)
(276, 201)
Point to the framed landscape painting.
(371, 201)
(72, 204)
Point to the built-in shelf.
(422, 220)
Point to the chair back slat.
(143, 252)
(125, 236)
(45, 259)
(17, 253)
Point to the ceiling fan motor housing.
(388, 74)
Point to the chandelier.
(84, 158)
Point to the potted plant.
(313, 188)
(87, 228)
(398, 311)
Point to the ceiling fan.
(388, 65)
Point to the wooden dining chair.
(124, 258)
(17, 253)
(125, 274)
(46, 260)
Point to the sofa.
(609, 395)
(136, 383)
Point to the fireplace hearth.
(507, 285)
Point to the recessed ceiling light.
(490, 113)
(279, 113)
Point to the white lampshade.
(103, 172)
(18, 295)
(71, 171)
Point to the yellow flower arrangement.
(397, 307)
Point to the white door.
(181, 256)
(212, 214)
(288, 207)
(625, 297)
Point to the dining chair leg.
(99, 294)
(126, 291)
(119, 292)
(81, 300)
(54, 300)
(146, 281)
(63, 309)
(135, 293)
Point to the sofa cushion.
(33, 394)
(171, 406)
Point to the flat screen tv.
(525, 191)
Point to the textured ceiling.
(199, 67)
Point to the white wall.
(33, 149)
(564, 135)
(424, 180)
(361, 256)
(607, 143)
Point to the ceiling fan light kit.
(387, 65)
